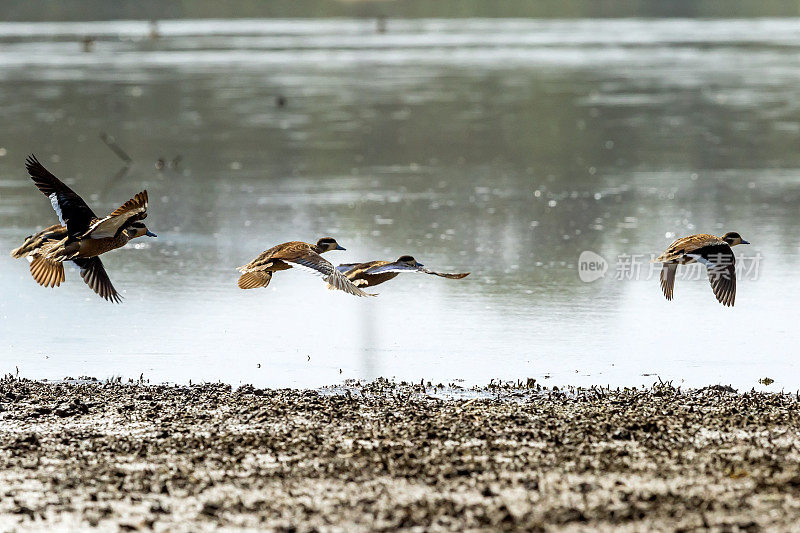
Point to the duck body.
(66, 249)
(713, 252)
(258, 272)
(81, 237)
(104, 234)
(374, 273)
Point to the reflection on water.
(501, 147)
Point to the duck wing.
(95, 276)
(72, 211)
(448, 275)
(46, 272)
(391, 268)
(668, 279)
(401, 267)
(131, 211)
(723, 283)
(721, 266)
(254, 280)
(346, 267)
(354, 270)
(316, 264)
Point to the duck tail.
(33, 243)
(29, 246)
(16, 253)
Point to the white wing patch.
(106, 227)
(392, 268)
(57, 208)
(703, 260)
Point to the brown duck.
(81, 237)
(258, 272)
(713, 252)
(376, 272)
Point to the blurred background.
(502, 138)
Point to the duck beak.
(420, 265)
(340, 247)
(150, 234)
(745, 242)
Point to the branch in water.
(112, 144)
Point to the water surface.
(504, 147)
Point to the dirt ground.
(385, 456)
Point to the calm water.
(501, 147)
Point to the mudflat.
(387, 456)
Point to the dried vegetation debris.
(385, 455)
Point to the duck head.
(733, 238)
(326, 244)
(138, 229)
(408, 261)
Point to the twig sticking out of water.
(109, 141)
(112, 144)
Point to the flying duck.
(376, 272)
(713, 252)
(81, 237)
(258, 272)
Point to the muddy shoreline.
(385, 456)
